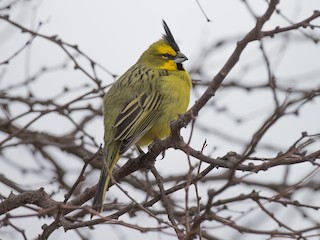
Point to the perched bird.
(140, 105)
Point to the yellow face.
(159, 55)
(167, 54)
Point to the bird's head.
(164, 54)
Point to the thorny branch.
(222, 184)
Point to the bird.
(141, 104)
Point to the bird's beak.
(180, 58)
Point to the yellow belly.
(159, 131)
(176, 90)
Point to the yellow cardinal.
(140, 105)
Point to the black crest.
(169, 37)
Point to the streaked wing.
(136, 118)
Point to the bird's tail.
(103, 184)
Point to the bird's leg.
(141, 153)
(139, 150)
(163, 153)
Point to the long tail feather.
(100, 192)
(103, 184)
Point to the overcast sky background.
(115, 33)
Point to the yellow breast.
(176, 91)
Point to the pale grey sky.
(115, 33)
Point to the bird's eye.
(167, 56)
